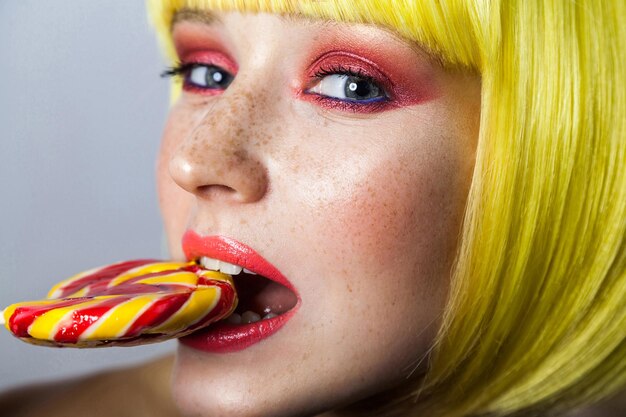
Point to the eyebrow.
(192, 15)
(207, 17)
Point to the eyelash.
(339, 69)
(182, 69)
(179, 69)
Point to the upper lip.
(230, 250)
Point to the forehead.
(450, 31)
(211, 18)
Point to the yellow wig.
(536, 315)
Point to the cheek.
(385, 221)
(402, 227)
(387, 232)
(406, 211)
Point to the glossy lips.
(128, 303)
(223, 337)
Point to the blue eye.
(201, 76)
(208, 77)
(348, 87)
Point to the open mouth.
(259, 297)
(267, 300)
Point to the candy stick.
(1, 317)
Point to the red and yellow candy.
(127, 303)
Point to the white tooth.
(250, 317)
(230, 269)
(269, 316)
(247, 271)
(210, 263)
(234, 319)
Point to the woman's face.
(341, 155)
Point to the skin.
(360, 211)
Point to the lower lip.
(224, 337)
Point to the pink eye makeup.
(343, 72)
(374, 79)
(206, 72)
(342, 81)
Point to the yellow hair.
(536, 316)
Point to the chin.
(198, 394)
(253, 383)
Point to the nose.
(219, 160)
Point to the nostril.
(216, 191)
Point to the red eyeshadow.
(406, 76)
(198, 44)
(201, 43)
(210, 57)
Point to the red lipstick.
(224, 337)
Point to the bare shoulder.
(138, 391)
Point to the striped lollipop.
(125, 304)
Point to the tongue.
(263, 296)
(274, 298)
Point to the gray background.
(81, 112)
